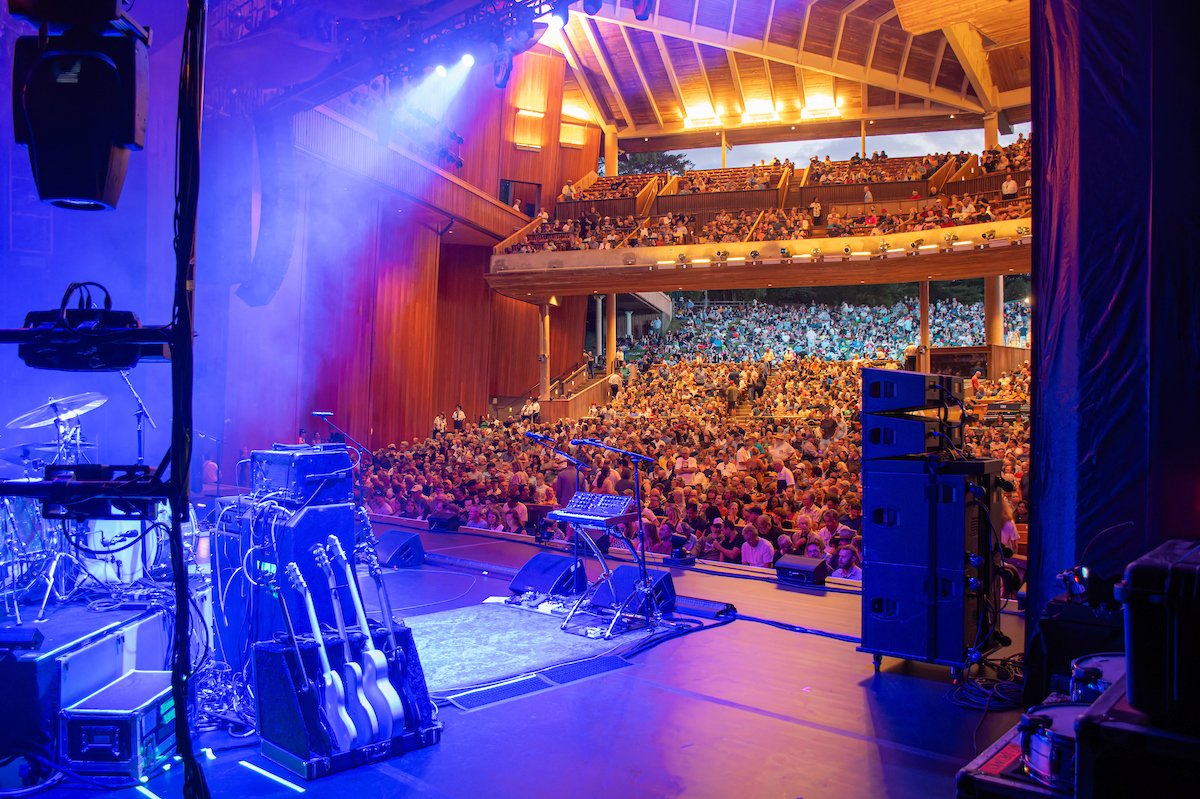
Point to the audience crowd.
(751, 415)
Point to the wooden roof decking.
(778, 70)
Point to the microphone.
(322, 414)
(586, 442)
(535, 436)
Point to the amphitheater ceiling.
(778, 70)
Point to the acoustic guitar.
(360, 710)
(333, 696)
(377, 685)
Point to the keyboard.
(596, 510)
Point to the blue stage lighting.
(441, 71)
(469, 60)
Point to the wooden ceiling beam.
(712, 102)
(593, 38)
(732, 13)
(837, 41)
(770, 19)
(581, 78)
(937, 64)
(803, 32)
(641, 76)
(875, 36)
(671, 76)
(967, 44)
(895, 82)
(737, 80)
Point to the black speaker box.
(21, 638)
(548, 573)
(798, 570)
(891, 390)
(443, 520)
(613, 592)
(400, 548)
(894, 436)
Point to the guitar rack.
(289, 709)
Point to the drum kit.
(1048, 731)
(43, 559)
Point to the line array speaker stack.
(930, 557)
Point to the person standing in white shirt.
(685, 467)
(458, 417)
(1008, 190)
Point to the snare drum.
(1094, 674)
(125, 566)
(1048, 743)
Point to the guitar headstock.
(334, 547)
(367, 549)
(296, 578)
(322, 559)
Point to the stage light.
(754, 255)
(80, 100)
(783, 252)
(592, 7)
(560, 14)
(468, 60)
(846, 250)
(641, 10)
(441, 71)
(502, 66)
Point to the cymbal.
(22, 454)
(59, 409)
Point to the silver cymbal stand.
(12, 540)
(57, 572)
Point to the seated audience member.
(512, 522)
(847, 564)
(493, 522)
(756, 551)
(730, 542)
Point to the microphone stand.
(580, 571)
(142, 415)
(650, 606)
(362, 450)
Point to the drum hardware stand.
(55, 573)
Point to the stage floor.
(739, 711)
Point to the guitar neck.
(291, 631)
(385, 608)
(337, 616)
(359, 613)
(322, 655)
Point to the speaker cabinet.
(797, 570)
(613, 592)
(896, 611)
(548, 573)
(444, 521)
(400, 548)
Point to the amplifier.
(124, 730)
(300, 474)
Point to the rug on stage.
(487, 642)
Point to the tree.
(654, 163)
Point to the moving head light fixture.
(80, 95)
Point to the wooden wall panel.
(514, 367)
(405, 326)
(536, 84)
(577, 162)
(475, 115)
(568, 322)
(464, 319)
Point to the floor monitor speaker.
(547, 573)
(400, 548)
(797, 570)
(614, 591)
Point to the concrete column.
(610, 318)
(722, 148)
(862, 132)
(629, 324)
(991, 130)
(599, 324)
(611, 159)
(923, 360)
(993, 310)
(544, 351)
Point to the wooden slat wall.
(464, 312)
(537, 79)
(405, 327)
(475, 115)
(577, 162)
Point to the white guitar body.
(377, 684)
